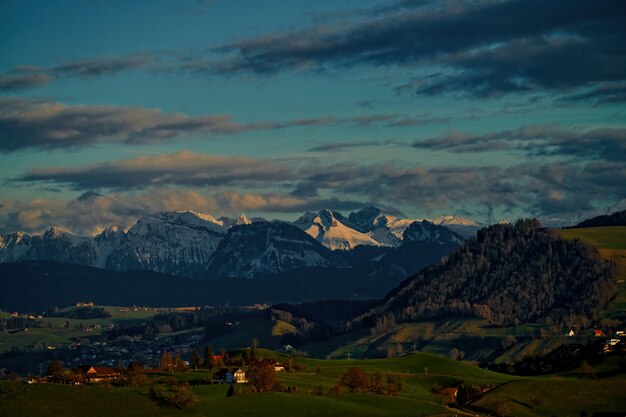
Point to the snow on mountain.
(332, 230)
(464, 227)
(264, 248)
(179, 243)
(241, 220)
(384, 228)
(54, 245)
(14, 246)
(426, 231)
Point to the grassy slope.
(561, 396)
(61, 337)
(611, 244)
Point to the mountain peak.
(333, 230)
(242, 220)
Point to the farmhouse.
(98, 373)
(82, 304)
(450, 392)
(240, 376)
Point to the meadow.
(559, 395)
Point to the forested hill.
(616, 219)
(508, 274)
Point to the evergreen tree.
(195, 360)
(208, 357)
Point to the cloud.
(481, 48)
(527, 189)
(602, 143)
(607, 93)
(25, 77)
(90, 214)
(101, 66)
(344, 146)
(14, 82)
(182, 168)
(40, 124)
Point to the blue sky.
(486, 109)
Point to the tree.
(394, 384)
(56, 369)
(172, 392)
(135, 376)
(167, 363)
(179, 364)
(208, 357)
(355, 379)
(376, 383)
(261, 375)
(195, 360)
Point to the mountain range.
(200, 246)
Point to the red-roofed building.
(98, 373)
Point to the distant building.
(98, 373)
(571, 333)
(240, 376)
(81, 304)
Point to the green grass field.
(560, 396)
(58, 336)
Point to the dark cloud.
(285, 186)
(101, 66)
(39, 124)
(14, 82)
(483, 48)
(24, 77)
(183, 168)
(345, 146)
(602, 143)
(608, 93)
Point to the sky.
(486, 109)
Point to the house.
(279, 367)
(240, 376)
(450, 392)
(598, 333)
(571, 333)
(81, 304)
(98, 373)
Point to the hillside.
(611, 245)
(420, 372)
(615, 219)
(35, 286)
(508, 274)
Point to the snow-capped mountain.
(179, 243)
(382, 227)
(54, 245)
(187, 243)
(333, 230)
(265, 248)
(428, 232)
(464, 227)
